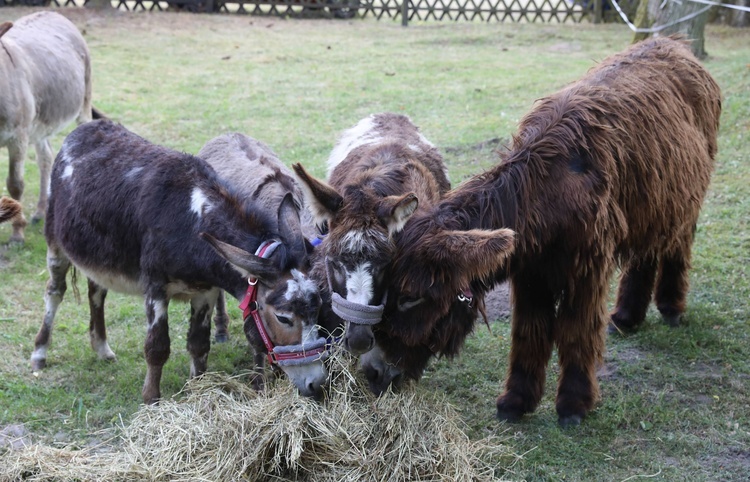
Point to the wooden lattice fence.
(557, 11)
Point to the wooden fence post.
(404, 13)
(598, 10)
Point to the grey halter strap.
(353, 312)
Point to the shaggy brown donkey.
(609, 171)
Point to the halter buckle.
(465, 299)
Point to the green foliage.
(674, 401)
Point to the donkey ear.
(9, 208)
(396, 210)
(290, 227)
(248, 265)
(322, 200)
(477, 252)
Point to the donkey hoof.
(508, 412)
(221, 337)
(570, 421)
(36, 219)
(616, 327)
(258, 382)
(16, 240)
(672, 321)
(38, 364)
(505, 415)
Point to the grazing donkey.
(378, 173)
(45, 83)
(9, 208)
(254, 171)
(611, 170)
(130, 216)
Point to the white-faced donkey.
(379, 173)
(131, 215)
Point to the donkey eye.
(408, 302)
(284, 319)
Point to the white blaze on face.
(359, 283)
(309, 333)
(300, 286)
(360, 241)
(361, 134)
(199, 202)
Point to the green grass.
(675, 402)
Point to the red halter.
(249, 307)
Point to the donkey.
(379, 172)
(611, 170)
(9, 209)
(254, 171)
(45, 83)
(130, 215)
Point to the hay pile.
(219, 429)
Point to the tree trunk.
(652, 14)
(738, 18)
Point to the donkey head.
(287, 301)
(357, 250)
(429, 309)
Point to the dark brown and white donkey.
(45, 83)
(130, 216)
(378, 173)
(609, 171)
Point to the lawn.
(675, 402)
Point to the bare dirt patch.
(497, 303)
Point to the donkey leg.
(44, 161)
(673, 282)
(156, 348)
(634, 294)
(57, 265)
(580, 335)
(97, 328)
(221, 319)
(258, 378)
(14, 182)
(199, 333)
(531, 347)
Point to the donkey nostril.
(358, 345)
(315, 390)
(373, 374)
